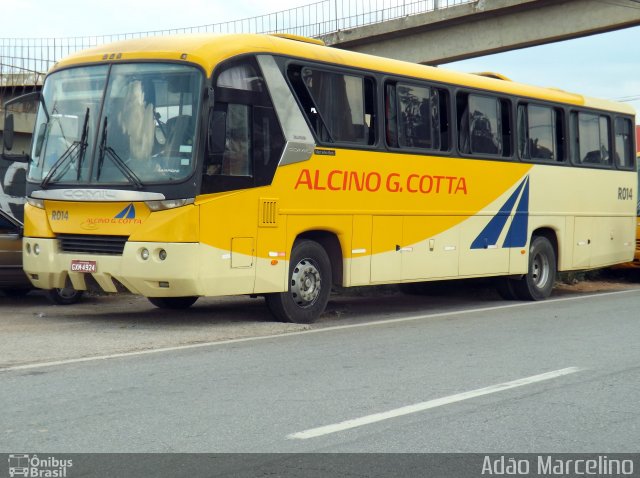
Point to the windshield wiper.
(83, 144)
(105, 150)
(75, 151)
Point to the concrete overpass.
(484, 27)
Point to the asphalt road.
(461, 375)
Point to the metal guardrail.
(23, 59)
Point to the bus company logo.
(22, 464)
(126, 216)
(128, 212)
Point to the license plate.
(83, 266)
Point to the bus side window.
(309, 108)
(591, 138)
(484, 125)
(236, 158)
(540, 133)
(624, 143)
(245, 140)
(391, 115)
(416, 117)
(340, 107)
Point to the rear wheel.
(538, 282)
(173, 302)
(309, 285)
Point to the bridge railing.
(19, 55)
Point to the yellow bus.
(271, 165)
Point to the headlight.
(168, 204)
(39, 203)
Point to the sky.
(604, 66)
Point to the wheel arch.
(552, 236)
(331, 244)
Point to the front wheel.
(173, 302)
(309, 285)
(541, 276)
(65, 296)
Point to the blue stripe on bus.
(517, 235)
(490, 234)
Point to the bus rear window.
(624, 143)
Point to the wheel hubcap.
(540, 270)
(67, 292)
(305, 283)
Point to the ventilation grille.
(268, 213)
(88, 244)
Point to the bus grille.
(89, 244)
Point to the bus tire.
(173, 302)
(538, 282)
(65, 296)
(309, 285)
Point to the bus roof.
(207, 50)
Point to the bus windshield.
(128, 124)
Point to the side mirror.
(7, 133)
(217, 131)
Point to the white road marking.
(397, 320)
(419, 407)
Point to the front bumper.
(175, 276)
